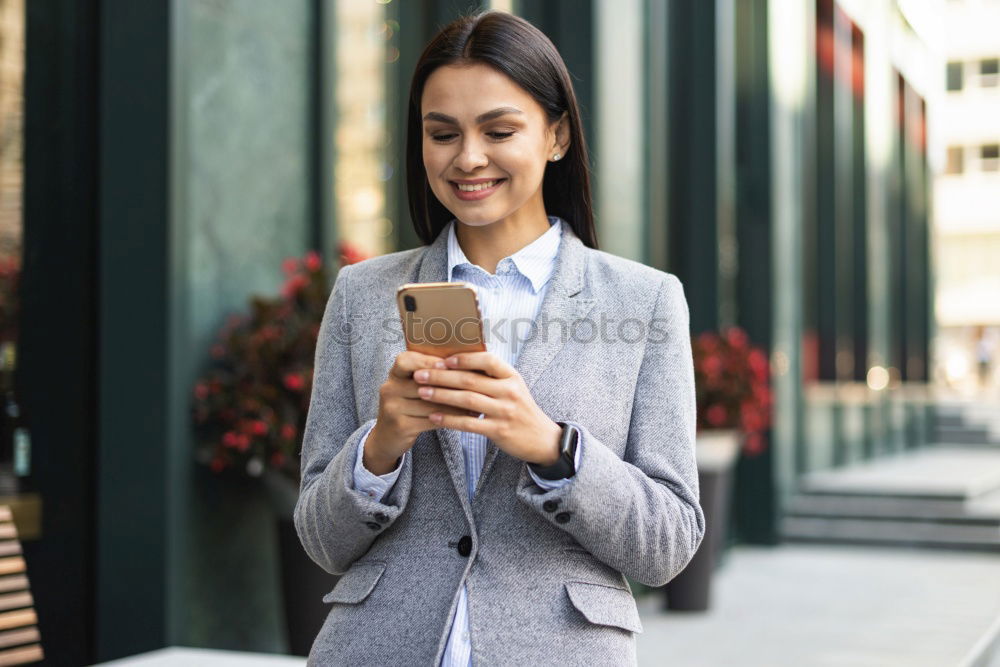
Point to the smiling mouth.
(477, 187)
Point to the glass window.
(956, 160)
(989, 155)
(360, 166)
(12, 25)
(954, 75)
(989, 72)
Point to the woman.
(494, 518)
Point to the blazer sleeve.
(337, 523)
(640, 514)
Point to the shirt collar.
(534, 261)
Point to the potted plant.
(734, 412)
(249, 410)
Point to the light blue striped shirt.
(509, 302)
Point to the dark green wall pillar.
(207, 169)
(692, 138)
(57, 355)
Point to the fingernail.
(421, 375)
(452, 361)
(425, 392)
(435, 417)
(439, 364)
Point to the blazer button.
(375, 526)
(381, 518)
(465, 545)
(562, 517)
(550, 505)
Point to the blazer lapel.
(434, 268)
(562, 307)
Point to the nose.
(471, 156)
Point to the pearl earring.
(556, 156)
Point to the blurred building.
(967, 186)
(771, 153)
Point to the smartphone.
(441, 319)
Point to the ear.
(561, 135)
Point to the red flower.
(349, 254)
(712, 366)
(231, 439)
(736, 337)
(294, 381)
(288, 431)
(290, 265)
(269, 332)
(218, 465)
(716, 415)
(277, 459)
(759, 365)
(749, 417)
(294, 285)
(754, 444)
(259, 427)
(313, 261)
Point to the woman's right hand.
(402, 414)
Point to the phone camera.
(410, 303)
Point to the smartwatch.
(565, 466)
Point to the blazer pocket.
(355, 584)
(605, 605)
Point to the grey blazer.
(545, 569)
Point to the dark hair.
(514, 47)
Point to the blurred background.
(180, 181)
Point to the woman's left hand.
(512, 418)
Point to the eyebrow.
(480, 119)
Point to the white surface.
(832, 606)
(169, 657)
(717, 449)
(941, 471)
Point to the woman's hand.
(402, 414)
(512, 418)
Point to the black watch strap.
(566, 465)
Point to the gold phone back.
(446, 320)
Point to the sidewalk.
(805, 605)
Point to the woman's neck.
(486, 245)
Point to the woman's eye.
(499, 136)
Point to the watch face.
(569, 439)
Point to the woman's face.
(481, 127)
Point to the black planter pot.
(690, 590)
(303, 584)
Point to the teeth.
(477, 187)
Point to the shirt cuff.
(549, 484)
(367, 482)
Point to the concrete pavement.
(802, 605)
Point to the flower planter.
(303, 582)
(716, 452)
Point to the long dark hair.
(518, 49)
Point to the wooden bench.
(19, 636)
